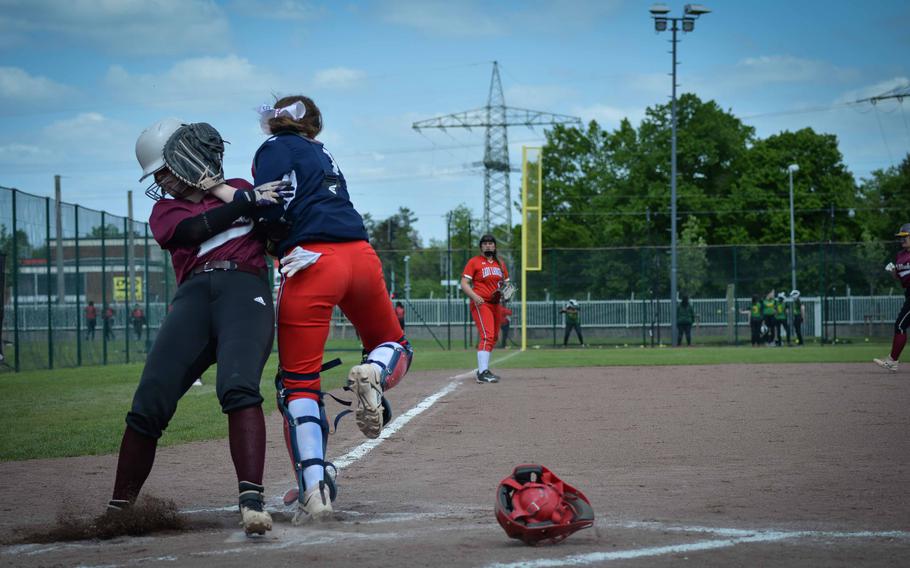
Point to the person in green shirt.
(755, 319)
(767, 311)
(572, 322)
(780, 319)
(685, 317)
(799, 314)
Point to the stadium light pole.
(659, 12)
(790, 169)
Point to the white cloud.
(442, 17)
(537, 97)
(149, 27)
(210, 83)
(296, 10)
(18, 87)
(873, 90)
(339, 78)
(609, 117)
(787, 69)
(84, 141)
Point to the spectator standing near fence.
(767, 311)
(91, 320)
(573, 321)
(799, 315)
(755, 320)
(780, 319)
(506, 326)
(107, 317)
(900, 269)
(137, 317)
(685, 317)
(399, 313)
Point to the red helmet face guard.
(535, 506)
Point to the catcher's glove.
(194, 154)
(507, 290)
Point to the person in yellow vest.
(755, 320)
(767, 312)
(780, 319)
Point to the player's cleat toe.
(363, 380)
(316, 506)
(253, 516)
(887, 363)
(486, 377)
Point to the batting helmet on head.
(535, 506)
(904, 231)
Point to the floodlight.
(695, 10)
(660, 24)
(688, 24)
(659, 10)
(793, 167)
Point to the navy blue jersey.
(321, 209)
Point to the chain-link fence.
(67, 296)
(67, 299)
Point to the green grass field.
(73, 412)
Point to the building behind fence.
(53, 270)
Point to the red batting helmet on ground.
(535, 506)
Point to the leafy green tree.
(693, 258)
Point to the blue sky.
(80, 79)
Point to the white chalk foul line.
(748, 537)
(396, 425)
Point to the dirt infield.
(784, 465)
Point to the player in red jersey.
(481, 281)
(326, 261)
(900, 268)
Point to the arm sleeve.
(196, 230)
(271, 163)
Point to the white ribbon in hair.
(267, 112)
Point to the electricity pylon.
(496, 117)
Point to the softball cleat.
(363, 380)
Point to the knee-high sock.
(309, 440)
(246, 434)
(137, 454)
(483, 360)
(897, 345)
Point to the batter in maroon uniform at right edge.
(900, 268)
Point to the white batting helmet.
(150, 145)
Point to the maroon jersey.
(902, 269)
(237, 243)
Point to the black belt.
(213, 265)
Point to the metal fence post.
(78, 292)
(148, 312)
(104, 304)
(127, 293)
(47, 256)
(15, 284)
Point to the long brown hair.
(310, 125)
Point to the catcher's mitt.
(194, 154)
